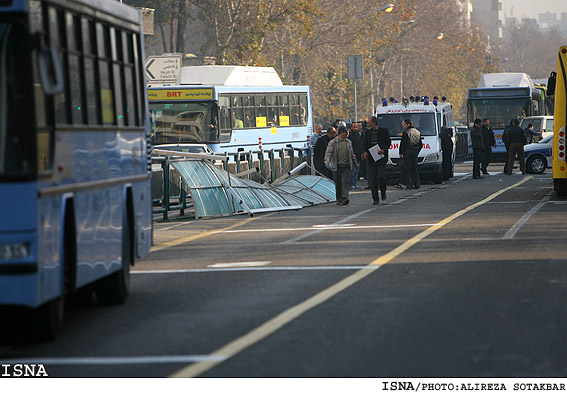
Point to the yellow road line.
(194, 237)
(238, 345)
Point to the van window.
(424, 122)
(549, 125)
(535, 122)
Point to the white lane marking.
(345, 220)
(507, 202)
(312, 268)
(240, 264)
(325, 227)
(171, 227)
(334, 225)
(523, 220)
(117, 360)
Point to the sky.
(531, 8)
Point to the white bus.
(231, 108)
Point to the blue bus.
(500, 98)
(231, 108)
(76, 196)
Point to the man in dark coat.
(410, 146)
(356, 139)
(532, 135)
(447, 148)
(478, 147)
(506, 141)
(517, 141)
(376, 170)
(489, 142)
(319, 152)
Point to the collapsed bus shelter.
(214, 192)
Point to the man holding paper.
(375, 147)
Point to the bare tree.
(529, 49)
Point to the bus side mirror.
(536, 106)
(551, 83)
(224, 111)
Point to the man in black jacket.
(319, 152)
(376, 170)
(517, 142)
(477, 143)
(356, 139)
(446, 136)
(489, 142)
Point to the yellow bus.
(559, 146)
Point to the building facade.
(488, 15)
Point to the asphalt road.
(465, 279)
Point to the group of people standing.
(482, 140)
(514, 138)
(340, 153)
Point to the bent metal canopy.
(215, 192)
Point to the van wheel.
(113, 290)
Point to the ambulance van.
(429, 118)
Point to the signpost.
(355, 71)
(163, 69)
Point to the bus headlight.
(13, 251)
(431, 158)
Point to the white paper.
(374, 152)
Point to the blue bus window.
(260, 101)
(248, 101)
(236, 101)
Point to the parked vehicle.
(429, 119)
(538, 155)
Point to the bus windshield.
(16, 130)
(424, 122)
(194, 122)
(499, 111)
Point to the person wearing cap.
(340, 159)
(478, 147)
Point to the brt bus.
(558, 83)
(231, 108)
(76, 196)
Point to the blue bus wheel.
(48, 319)
(113, 290)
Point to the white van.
(428, 118)
(541, 123)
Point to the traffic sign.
(354, 67)
(163, 69)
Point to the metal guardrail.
(272, 164)
(462, 146)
